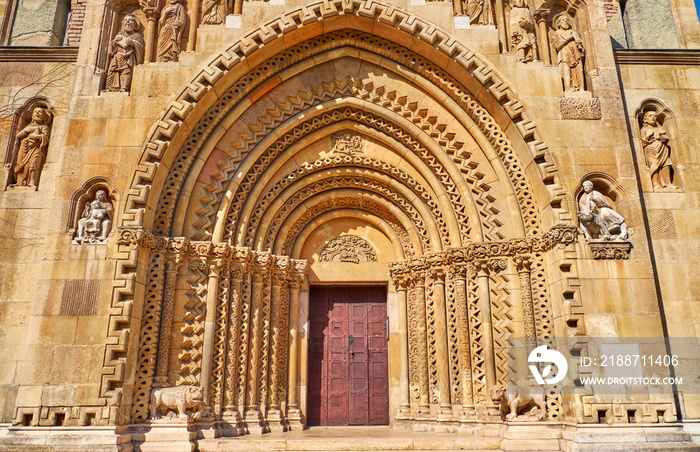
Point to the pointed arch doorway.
(348, 356)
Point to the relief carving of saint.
(213, 12)
(522, 31)
(31, 144)
(597, 219)
(172, 20)
(570, 53)
(125, 52)
(479, 12)
(95, 222)
(657, 152)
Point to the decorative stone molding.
(348, 249)
(573, 108)
(589, 411)
(610, 250)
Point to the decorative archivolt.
(339, 161)
(462, 57)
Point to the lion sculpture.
(510, 403)
(178, 399)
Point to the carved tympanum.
(125, 51)
(177, 401)
(522, 31)
(172, 22)
(95, 222)
(347, 144)
(31, 144)
(597, 219)
(657, 152)
(570, 53)
(348, 249)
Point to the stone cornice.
(14, 54)
(667, 57)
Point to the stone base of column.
(254, 423)
(295, 419)
(276, 421)
(230, 424)
(403, 413)
(445, 420)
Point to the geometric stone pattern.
(572, 108)
(662, 224)
(80, 297)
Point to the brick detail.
(75, 24)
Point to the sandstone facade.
(178, 221)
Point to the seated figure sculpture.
(597, 219)
(95, 223)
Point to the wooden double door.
(348, 359)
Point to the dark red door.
(348, 363)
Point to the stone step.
(436, 443)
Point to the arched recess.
(446, 149)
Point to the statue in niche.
(172, 20)
(570, 53)
(597, 219)
(31, 144)
(125, 52)
(657, 152)
(522, 31)
(95, 223)
(479, 12)
(213, 12)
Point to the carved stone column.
(542, 36)
(279, 317)
(150, 36)
(522, 265)
(172, 265)
(193, 8)
(215, 267)
(253, 417)
(485, 302)
(234, 337)
(443, 361)
(417, 336)
(465, 367)
(294, 413)
(401, 283)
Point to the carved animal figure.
(179, 398)
(510, 403)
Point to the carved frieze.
(347, 144)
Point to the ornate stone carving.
(480, 12)
(511, 404)
(179, 399)
(95, 223)
(597, 219)
(570, 53)
(126, 50)
(31, 144)
(347, 144)
(348, 249)
(619, 250)
(657, 152)
(522, 32)
(172, 22)
(213, 12)
(573, 108)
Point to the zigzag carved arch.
(227, 67)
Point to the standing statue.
(172, 20)
(125, 52)
(597, 220)
(522, 31)
(31, 144)
(213, 12)
(479, 12)
(570, 53)
(657, 152)
(96, 221)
